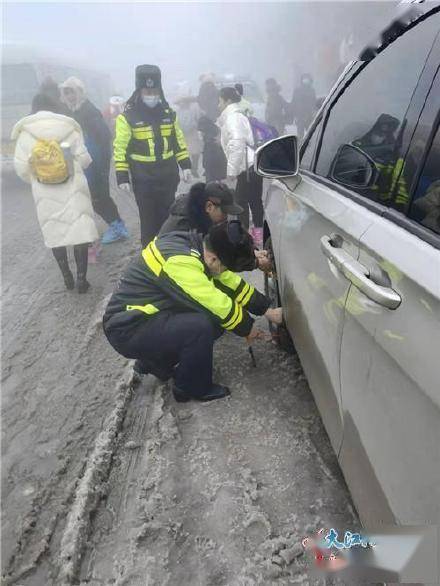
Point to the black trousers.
(168, 339)
(80, 251)
(153, 197)
(248, 194)
(99, 186)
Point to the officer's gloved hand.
(187, 175)
(125, 187)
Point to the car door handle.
(359, 275)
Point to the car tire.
(280, 334)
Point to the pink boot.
(93, 253)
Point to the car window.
(307, 154)
(425, 207)
(362, 139)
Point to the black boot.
(69, 281)
(81, 252)
(82, 284)
(60, 255)
(216, 392)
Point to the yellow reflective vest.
(148, 143)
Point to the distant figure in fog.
(245, 105)
(188, 114)
(304, 104)
(208, 96)
(115, 107)
(98, 141)
(214, 159)
(277, 109)
(50, 155)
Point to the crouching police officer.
(150, 144)
(177, 298)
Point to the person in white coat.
(64, 210)
(238, 144)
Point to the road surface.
(105, 484)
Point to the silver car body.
(374, 371)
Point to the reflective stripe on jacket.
(148, 143)
(170, 275)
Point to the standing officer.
(177, 298)
(149, 144)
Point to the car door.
(322, 219)
(390, 367)
(314, 293)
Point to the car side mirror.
(278, 158)
(352, 167)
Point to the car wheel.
(279, 334)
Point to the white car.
(354, 224)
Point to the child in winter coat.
(64, 209)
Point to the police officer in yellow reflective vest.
(149, 147)
(177, 298)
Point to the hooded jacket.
(237, 139)
(170, 275)
(64, 210)
(96, 132)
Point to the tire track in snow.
(90, 487)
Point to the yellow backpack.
(48, 162)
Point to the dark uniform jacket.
(149, 142)
(170, 275)
(97, 135)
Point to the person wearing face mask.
(177, 298)
(149, 148)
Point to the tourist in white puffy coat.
(64, 210)
(238, 144)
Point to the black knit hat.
(149, 77)
(233, 245)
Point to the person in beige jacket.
(64, 210)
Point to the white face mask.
(151, 101)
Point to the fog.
(259, 40)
